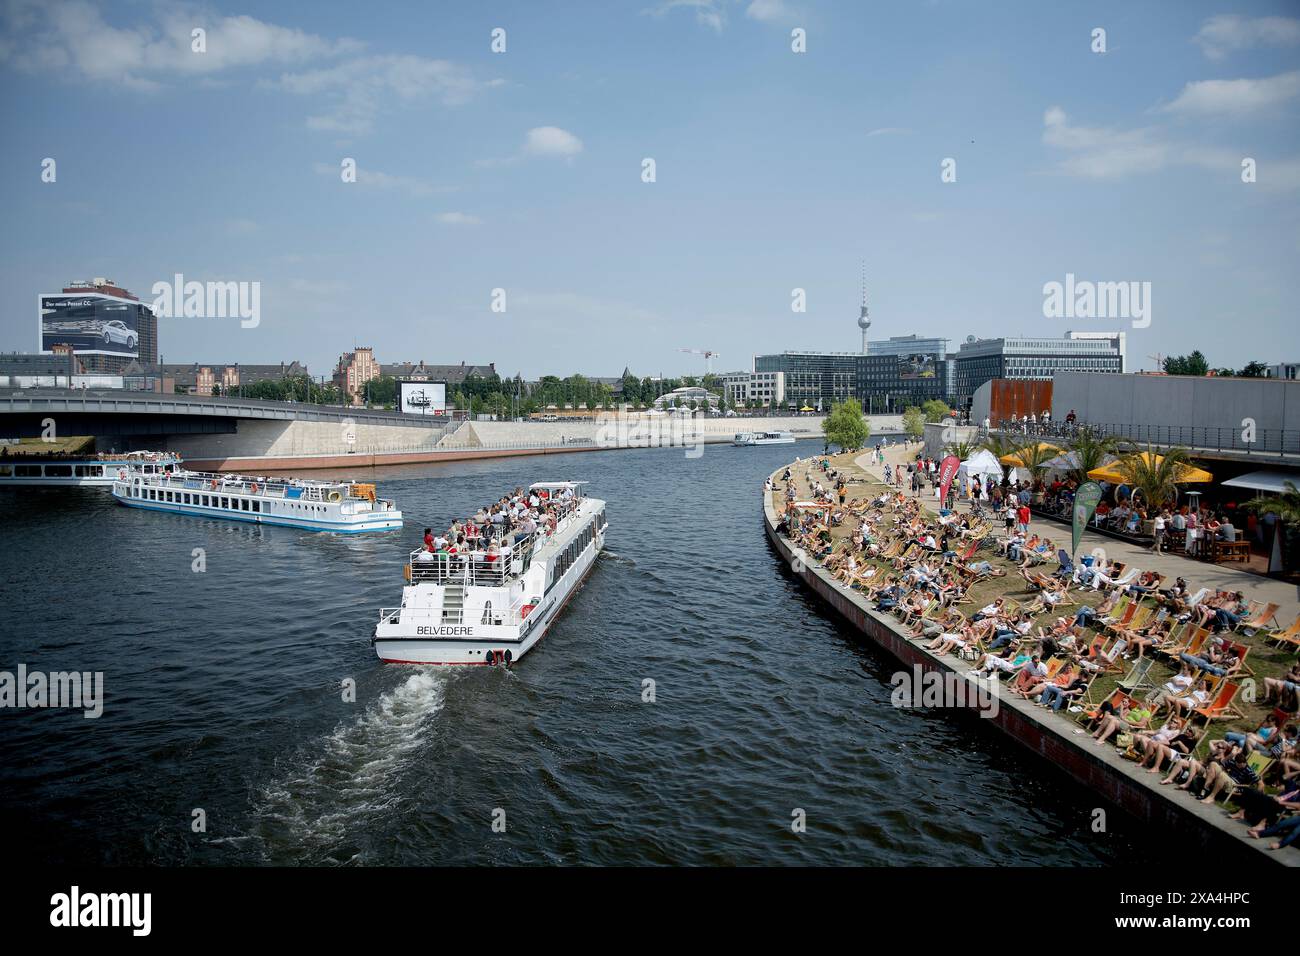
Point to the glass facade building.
(983, 360)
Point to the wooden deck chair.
(1124, 620)
(1220, 707)
(1291, 636)
(1117, 696)
(1257, 762)
(1138, 677)
(1117, 612)
(1195, 642)
(1261, 619)
(1174, 639)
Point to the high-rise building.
(982, 360)
(106, 326)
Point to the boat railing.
(516, 613)
(480, 568)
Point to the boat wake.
(317, 804)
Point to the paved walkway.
(1199, 574)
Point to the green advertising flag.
(1085, 503)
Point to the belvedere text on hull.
(339, 506)
(491, 598)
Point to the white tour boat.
(35, 470)
(764, 438)
(343, 506)
(478, 609)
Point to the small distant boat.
(341, 506)
(35, 470)
(763, 438)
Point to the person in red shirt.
(1022, 518)
(428, 539)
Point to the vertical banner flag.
(947, 470)
(1085, 503)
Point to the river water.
(223, 699)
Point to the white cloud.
(73, 38)
(458, 219)
(361, 88)
(1106, 153)
(551, 141)
(769, 11)
(1100, 153)
(369, 178)
(1236, 97)
(1229, 33)
(710, 13)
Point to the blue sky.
(775, 170)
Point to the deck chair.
(1123, 621)
(1138, 677)
(1259, 620)
(1065, 567)
(1291, 636)
(1220, 707)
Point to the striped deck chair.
(1117, 612)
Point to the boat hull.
(387, 521)
(480, 644)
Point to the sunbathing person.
(1283, 690)
(1130, 718)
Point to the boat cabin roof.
(555, 485)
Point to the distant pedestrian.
(1158, 533)
(1022, 518)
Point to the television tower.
(864, 319)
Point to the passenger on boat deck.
(428, 539)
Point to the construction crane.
(708, 354)
(1159, 359)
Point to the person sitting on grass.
(1148, 743)
(1130, 718)
(1198, 696)
(1177, 748)
(1057, 696)
(1049, 599)
(1220, 772)
(1283, 691)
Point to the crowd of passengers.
(919, 566)
(497, 529)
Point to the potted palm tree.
(1154, 477)
(1090, 450)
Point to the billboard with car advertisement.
(90, 322)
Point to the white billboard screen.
(424, 398)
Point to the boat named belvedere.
(340, 506)
(36, 470)
(493, 607)
(764, 438)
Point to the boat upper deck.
(496, 553)
(261, 486)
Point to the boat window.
(27, 471)
(58, 471)
(6, 471)
(257, 505)
(243, 504)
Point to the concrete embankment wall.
(1118, 781)
(299, 445)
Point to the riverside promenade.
(1053, 736)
